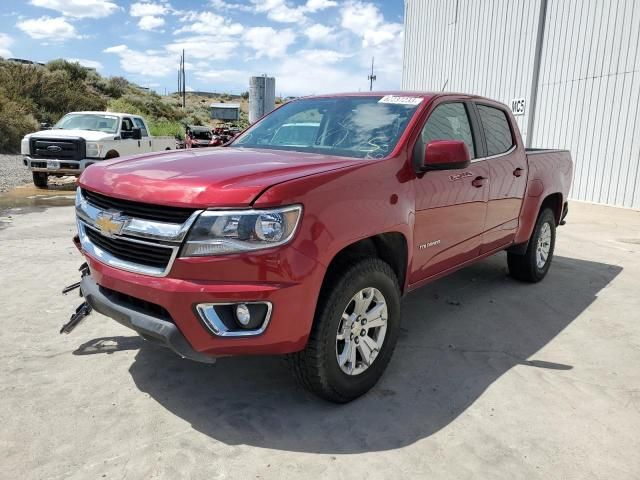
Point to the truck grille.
(58, 148)
(138, 210)
(134, 252)
(137, 304)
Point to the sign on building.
(517, 106)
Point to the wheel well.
(554, 202)
(168, 148)
(111, 154)
(388, 247)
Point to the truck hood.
(88, 135)
(204, 178)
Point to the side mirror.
(136, 133)
(445, 155)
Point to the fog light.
(243, 315)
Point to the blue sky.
(310, 46)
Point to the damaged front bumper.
(150, 328)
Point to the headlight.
(94, 150)
(217, 232)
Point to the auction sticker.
(397, 99)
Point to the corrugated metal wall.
(481, 47)
(588, 87)
(588, 96)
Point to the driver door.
(451, 205)
(129, 146)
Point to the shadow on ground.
(459, 335)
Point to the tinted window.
(140, 124)
(496, 130)
(127, 125)
(449, 122)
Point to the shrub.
(75, 71)
(122, 105)
(35, 93)
(15, 123)
(166, 128)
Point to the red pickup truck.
(303, 242)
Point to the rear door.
(507, 165)
(450, 204)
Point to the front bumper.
(285, 278)
(64, 167)
(149, 327)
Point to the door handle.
(478, 182)
(518, 172)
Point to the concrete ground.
(491, 378)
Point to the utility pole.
(180, 77)
(184, 85)
(371, 77)
(181, 81)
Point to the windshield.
(202, 135)
(88, 121)
(360, 127)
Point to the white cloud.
(384, 34)
(295, 76)
(208, 23)
(47, 28)
(318, 32)
(321, 56)
(79, 8)
(136, 62)
(279, 11)
(86, 63)
(150, 14)
(316, 5)
(5, 42)
(268, 42)
(149, 22)
(201, 47)
(359, 17)
(366, 21)
(227, 74)
(222, 5)
(149, 9)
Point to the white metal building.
(570, 68)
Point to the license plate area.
(53, 164)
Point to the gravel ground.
(12, 172)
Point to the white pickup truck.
(82, 138)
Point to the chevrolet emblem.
(110, 223)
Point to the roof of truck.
(115, 114)
(395, 93)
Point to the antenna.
(371, 77)
(445, 84)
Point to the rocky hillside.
(31, 94)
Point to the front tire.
(534, 264)
(354, 332)
(40, 179)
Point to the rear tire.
(534, 264)
(351, 341)
(40, 179)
